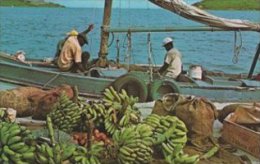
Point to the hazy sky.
(116, 3)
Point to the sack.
(197, 113)
(246, 114)
(165, 105)
(18, 99)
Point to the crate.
(242, 137)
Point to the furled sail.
(193, 13)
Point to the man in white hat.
(172, 66)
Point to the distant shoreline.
(28, 3)
(229, 4)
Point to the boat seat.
(222, 81)
(184, 78)
(106, 72)
(250, 83)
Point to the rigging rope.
(128, 50)
(117, 51)
(237, 48)
(149, 45)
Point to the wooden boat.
(140, 81)
(215, 86)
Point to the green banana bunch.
(14, 147)
(120, 110)
(95, 112)
(54, 154)
(85, 156)
(170, 135)
(134, 144)
(111, 96)
(66, 115)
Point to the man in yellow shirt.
(71, 58)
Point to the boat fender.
(133, 85)
(160, 87)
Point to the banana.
(167, 149)
(41, 159)
(17, 146)
(181, 140)
(49, 151)
(8, 151)
(14, 140)
(191, 159)
(211, 152)
(28, 155)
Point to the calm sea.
(37, 30)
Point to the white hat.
(166, 41)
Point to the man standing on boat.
(71, 58)
(172, 66)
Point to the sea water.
(37, 30)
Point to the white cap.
(166, 41)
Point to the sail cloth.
(193, 13)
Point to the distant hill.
(229, 4)
(28, 3)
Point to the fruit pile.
(120, 110)
(134, 144)
(82, 138)
(66, 115)
(56, 152)
(170, 135)
(14, 147)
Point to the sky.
(116, 3)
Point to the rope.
(149, 45)
(237, 48)
(117, 51)
(51, 80)
(111, 42)
(128, 49)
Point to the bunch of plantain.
(59, 153)
(120, 110)
(88, 156)
(15, 145)
(134, 144)
(95, 112)
(66, 115)
(170, 135)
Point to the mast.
(104, 34)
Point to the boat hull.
(215, 87)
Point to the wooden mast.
(104, 34)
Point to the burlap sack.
(166, 105)
(18, 99)
(246, 114)
(197, 113)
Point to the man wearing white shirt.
(172, 66)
